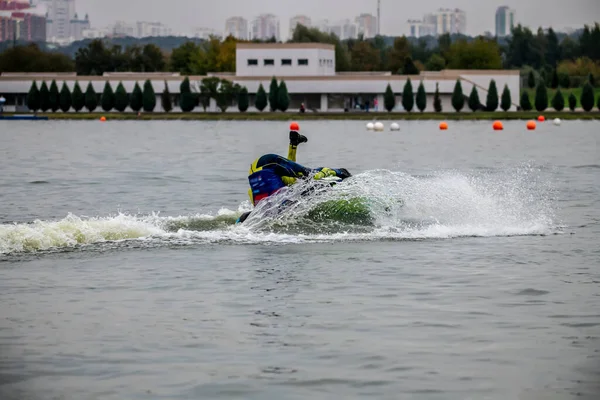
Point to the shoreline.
(354, 116)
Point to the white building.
(204, 33)
(285, 59)
(78, 26)
(95, 33)
(438, 23)
(265, 27)
(123, 29)
(418, 28)
(58, 22)
(505, 21)
(151, 29)
(237, 27)
(367, 25)
(308, 70)
(299, 19)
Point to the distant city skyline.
(184, 16)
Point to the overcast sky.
(183, 15)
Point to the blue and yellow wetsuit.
(271, 172)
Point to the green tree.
(541, 97)
(408, 98)
(525, 102)
(474, 102)
(587, 97)
(389, 98)
(44, 97)
(227, 91)
(165, 99)
(458, 99)
(243, 100)
(397, 54)
(598, 102)
(136, 99)
(558, 102)
(572, 102)
(273, 95)
(54, 97)
(121, 98)
(187, 102)
(435, 63)
(283, 98)
(77, 98)
(591, 79)
(563, 80)
(506, 99)
(437, 101)
(148, 97)
(365, 57)
(421, 97)
(478, 54)
(182, 57)
(107, 101)
(554, 82)
(65, 98)
(491, 103)
(33, 98)
(531, 80)
(91, 99)
(409, 67)
(261, 98)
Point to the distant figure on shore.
(302, 108)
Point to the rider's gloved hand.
(325, 172)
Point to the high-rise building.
(440, 22)
(505, 21)
(449, 21)
(151, 29)
(60, 14)
(237, 27)
(367, 25)
(420, 28)
(205, 33)
(20, 21)
(265, 27)
(123, 29)
(78, 26)
(299, 19)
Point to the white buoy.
(370, 126)
(394, 126)
(379, 126)
(557, 121)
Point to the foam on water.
(444, 205)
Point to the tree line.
(49, 98)
(225, 92)
(542, 52)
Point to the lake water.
(123, 277)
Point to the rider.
(271, 172)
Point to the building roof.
(265, 46)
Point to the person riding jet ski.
(270, 173)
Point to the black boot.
(296, 138)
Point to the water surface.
(122, 276)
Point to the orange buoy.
(541, 118)
(498, 126)
(443, 126)
(294, 127)
(103, 118)
(531, 125)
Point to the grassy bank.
(566, 93)
(269, 116)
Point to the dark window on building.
(252, 62)
(303, 61)
(269, 61)
(286, 61)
